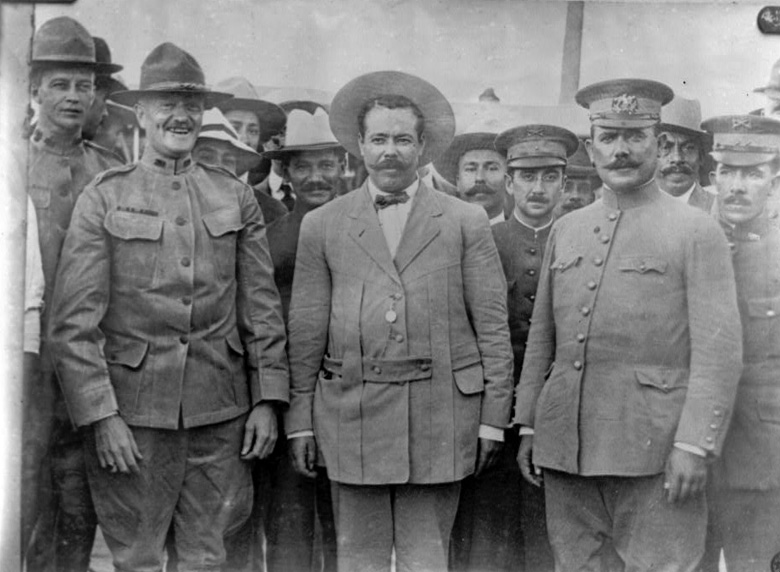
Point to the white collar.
(533, 228)
(683, 198)
(274, 181)
(411, 190)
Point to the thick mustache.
(316, 186)
(622, 164)
(537, 199)
(478, 188)
(737, 201)
(179, 124)
(389, 164)
(684, 169)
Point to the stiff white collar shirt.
(683, 198)
(393, 219)
(275, 186)
(497, 219)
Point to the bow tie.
(384, 201)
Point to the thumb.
(248, 435)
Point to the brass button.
(396, 296)
(532, 297)
(598, 261)
(184, 339)
(585, 310)
(181, 221)
(185, 262)
(176, 185)
(713, 426)
(718, 413)
(425, 366)
(391, 316)
(580, 338)
(399, 338)
(531, 272)
(604, 238)
(708, 439)
(770, 313)
(597, 229)
(591, 285)
(612, 217)
(578, 365)
(376, 369)
(531, 251)
(186, 300)
(642, 266)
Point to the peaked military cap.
(63, 41)
(627, 103)
(436, 110)
(447, 164)
(744, 140)
(169, 69)
(531, 146)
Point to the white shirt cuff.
(526, 430)
(691, 449)
(492, 433)
(296, 434)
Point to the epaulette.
(112, 172)
(102, 150)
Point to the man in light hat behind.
(772, 93)
(400, 353)
(681, 151)
(745, 488)
(62, 83)
(581, 183)
(167, 334)
(477, 170)
(633, 356)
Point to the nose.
(737, 186)
(675, 155)
(480, 175)
(621, 147)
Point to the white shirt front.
(275, 186)
(683, 198)
(393, 219)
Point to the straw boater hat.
(744, 140)
(217, 128)
(772, 89)
(683, 116)
(625, 103)
(350, 100)
(271, 116)
(63, 41)
(306, 132)
(169, 69)
(447, 164)
(533, 146)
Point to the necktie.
(384, 201)
(287, 200)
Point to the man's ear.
(774, 186)
(422, 143)
(589, 149)
(360, 144)
(714, 179)
(140, 113)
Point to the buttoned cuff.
(492, 433)
(269, 385)
(296, 434)
(524, 430)
(691, 449)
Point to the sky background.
(712, 52)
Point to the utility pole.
(572, 52)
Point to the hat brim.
(624, 123)
(131, 96)
(278, 154)
(436, 110)
(272, 117)
(447, 164)
(742, 159)
(772, 91)
(107, 69)
(685, 131)
(535, 162)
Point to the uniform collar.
(526, 228)
(165, 165)
(59, 145)
(638, 197)
(411, 190)
(752, 231)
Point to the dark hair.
(392, 102)
(39, 68)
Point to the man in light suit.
(633, 356)
(682, 148)
(402, 361)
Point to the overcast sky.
(713, 52)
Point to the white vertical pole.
(572, 52)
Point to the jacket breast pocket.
(136, 245)
(764, 328)
(565, 263)
(124, 357)
(223, 226)
(642, 264)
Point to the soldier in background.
(581, 183)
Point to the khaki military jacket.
(396, 362)
(635, 339)
(165, 309)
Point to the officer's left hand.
(686, 475)
(260, 432)
(487, 454)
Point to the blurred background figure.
(581, 183)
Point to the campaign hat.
(63, 41)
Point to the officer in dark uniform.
(62, 81)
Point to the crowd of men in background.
(290, 337)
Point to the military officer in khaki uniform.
(168, 335)
(62, 81)
(745, 488)
(633, 356)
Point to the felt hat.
(772, 88)
(306, 132)
(447, 164)
(683, 116)
(63, 41)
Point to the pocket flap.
(764, 307)
(470, 380)
(221, 222)
(665, 379)
(125, 351)
(131, 226)
(40, 195)
(769, 411)
(234, 342)
(642, 264)
(563, 263)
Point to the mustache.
(681, 168)
(390, 164)
(312, 186)
(537, 199)
(622, 164)
(735, 200)
(179, 124)
(479, 188)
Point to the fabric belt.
(396, 370)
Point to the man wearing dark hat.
(477, 170)
(581, 183)
(633, 356)
(105, 85)
(744, 493)
(62, 72)
(681, 150)
(167, 334)
(400, 352)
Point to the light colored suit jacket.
(416, 349)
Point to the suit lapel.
(421, 227)
(367, 233)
